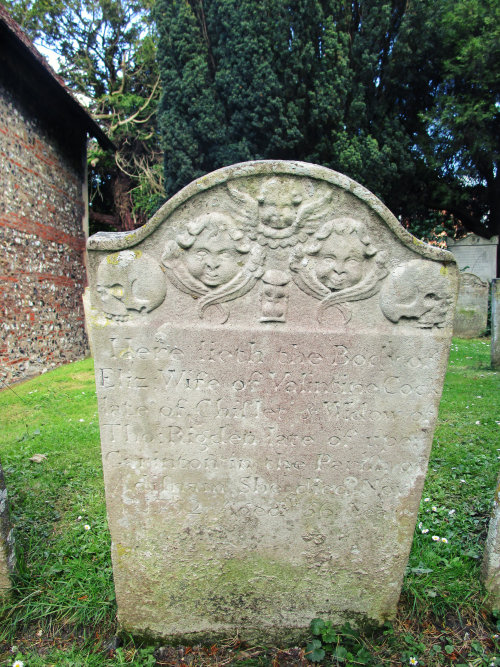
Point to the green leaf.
(421, 570)
(341, 653)
(314, 652)
(363, 656)
(317, 626)
(329, 635)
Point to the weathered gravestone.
(270, 351)
(471, 313)
(495, 323)
(476, 254)
(7, 554)
(491, 559)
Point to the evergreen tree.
(401, 96)
(303, 79)
(463, 127)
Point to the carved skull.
(418, 292)
(129, 283)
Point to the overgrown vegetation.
(63, 611)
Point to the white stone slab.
(270, 350)
(476, 255)
(7, 554)
(491, 558)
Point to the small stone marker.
(495, 323)
(491, 559)
(471, 313)
(270, 351)
(476, 255)
(7, 555)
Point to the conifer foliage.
(304, 79)
(359, 87)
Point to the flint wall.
(42, 270)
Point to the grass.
(62, 611)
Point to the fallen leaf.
(38, 458)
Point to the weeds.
(343, 645)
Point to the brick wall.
(42, 272)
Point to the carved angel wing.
(304, 279)
(309, 212)
(243, 207)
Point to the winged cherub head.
(283, 213)
(278, 207)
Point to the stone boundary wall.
(42, 269)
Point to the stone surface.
(471, 313)
(7, 555)
(491, 559)
(476, 255)
(495, 323)
(270, 350)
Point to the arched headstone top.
(282, 226)
(262, 171)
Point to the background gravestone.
(270, 351)
(491, 559)
(7, 555)
(476, 255)
(495, 323)
(471, 313)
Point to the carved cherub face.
(343, 253)
(277, 205)
(341, 262)
(213, 258)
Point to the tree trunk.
(122, 201)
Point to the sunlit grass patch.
(64, 576)
(459, 487)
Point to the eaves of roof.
(13, 37)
